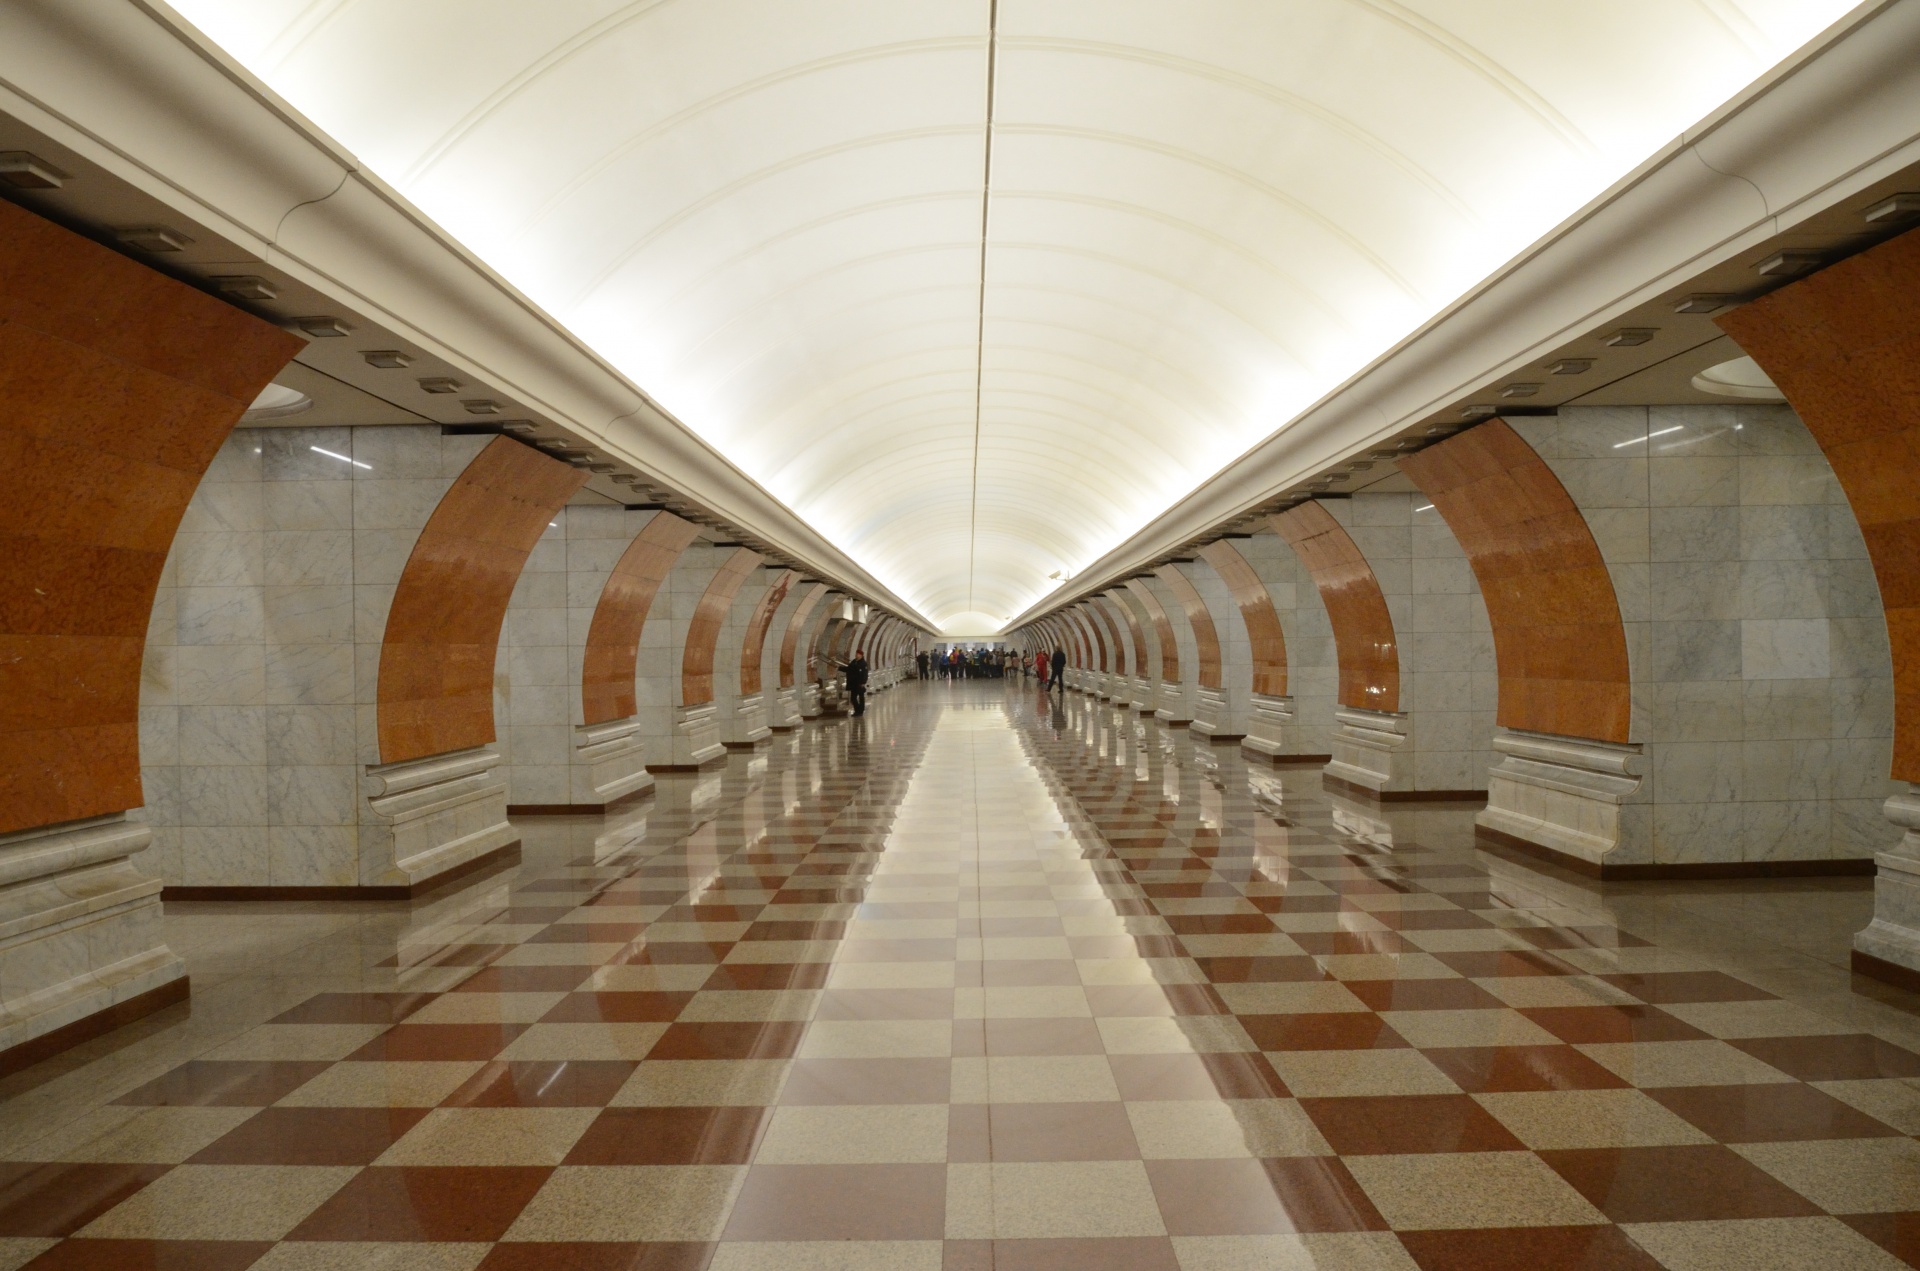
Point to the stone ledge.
(85, 1029)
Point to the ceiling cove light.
(778, 220)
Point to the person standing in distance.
(1059, 671)
(856, 672)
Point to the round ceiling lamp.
(276, 401)
(1742, 377)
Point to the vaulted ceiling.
(980, 288)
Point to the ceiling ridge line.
(980, 330)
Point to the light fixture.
(1702, 302)
(476, 405)
(245, 287)
(441, 384)
(388, 359)
(1628, 337)
(276, 401)
(1519, 390)
(25, 171)
(1740, 377)
(1570, 366)
(1896, 208)
(334, 454)
(152, 238)
(518, 427)
(322, 327)
(1789, 263)
(600, 467)
(1466, 412)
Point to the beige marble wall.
(1313, 671)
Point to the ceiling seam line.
(980, 329)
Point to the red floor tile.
(617, 1008)
(841, 1202)
(1673, 987)
(543, 1083)
(525, 979)
(1898, 1234)
(1527, 1249)
(1407, 1124)
(1486, 1069)
(310, 1136)
(1587, 1025)
(1281, 969)
(1329, 943)
(1424, 995)
(1776, 1113)
(768, 975)
(151, 1255)
(670, 1136)
(409, 1042)
(1502, 963)
(218, 1083)
(1334, 1030)
(651, 1256)
(1847, 1057)
(1676, 1184)
(467, 1203)
(354, 1008)
(1276, 1197)
(59, 1199)
(776, 1040)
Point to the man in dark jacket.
(856, 672)
(1059, 671)
(921, 660)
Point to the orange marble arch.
(1111, 630)
(117, 386)
(1557, 638)
(1844, 346)
(1206, 640)
(443, 630)
(753, 641)
(1137, 644)
(1363, 638)
(790, 638)
(703, 630)
(1079, 648)
(1162, 630)
(1096, 640)
(613, 637)
(1268, 641)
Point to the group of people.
(967, 664)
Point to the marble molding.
(746, 724)
(1269, 725)
(696, 737)
(1893, 937)
(784, 714)
(1142, 696)
(1214, 719)
(431, 817)
(609, 762)
(80, 929)
(1584, 799)
(1172, 704)
(1370, 750)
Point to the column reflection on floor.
(991, 980)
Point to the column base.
(1889, 946)
(81, 945)
(1576, 798)
(1268, 721)
(1370, 750)
(784, 714)
(425, 821)
(1214, 718)
(1172, 706)
(747, 724)
(609, 762)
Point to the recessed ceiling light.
(441, 384)
(1519, 390)
(245, 287)
(1893, 209)
(1627, 337)
(1740, 377)
(276, 401)
(388, 359)
(321, 327)
(1785, 264)
(600, 467)
(1702, 302)
(475, 405)
(1571, 366)
(26, 171)
(1466, 412)
(152, 238)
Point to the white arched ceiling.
(1201, 216)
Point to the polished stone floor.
(984, 981)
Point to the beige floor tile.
(647, 979)
(298, 1041)
(1175, 1035)
(1316, 998)
(221, 1202)
(1340, 1251)
(399, 1084)
(1218, 1129)
(485, 1008)
(1704, 1063)
(1757, 1019)
(901, 929)
(1548, 1119)
(1470, 940)
(891, 975)
(1011, 948)
(781, 952)
(1889, 1099)
(630, 1202)
(1312, 1074)
(1434, 1029)
(593, 955)
(1028, 1201)
(1034, 1079)
(1470, 1189)
(1845, 1176)
(828, 1255)
(154, 1136)
(1276, 945)
(491, 1136)
(855, 1135)
(1048, 1002)
(1761, 1244)
(751, 1005)
(1633, 959)
(696, 932)
(1386, 966)
(584, 1041)
(1555, 990)
(1139, 971)
(702, 1083)
(877, 1039)
(370, 1255)
(17, 1251)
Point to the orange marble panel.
(1363, 639)
(1206, 640)
(117, 386)
(443, 629)
(790, 639)
(1079, 647)
(709, 616)
(753, 641)
(1162, 630)
(1843, 344)
(1094, 640)
(1268, 641)
(620, 615)
(1135, 642)
(1116, 638)
(1557, 638)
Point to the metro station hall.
(963, 635)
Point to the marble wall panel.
(753, 642)
(620, 617)
(797, 626)
(1166, 647)
(118, 385)
(1266, 640)
(1363, 630)
(1128, 622)
(703, 629)
(1206, 638)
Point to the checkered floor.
(982, 982)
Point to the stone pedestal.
(1583, 799)
(1370, 750)
(695, 741)
(1889, 947)
(747, 724)
(80, 935)
(609, 762)
(809, 698)
(1268, 722)
(784, 713)
(1141, 695)
(1172, 705)
(425, 819)
(1215, 718)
